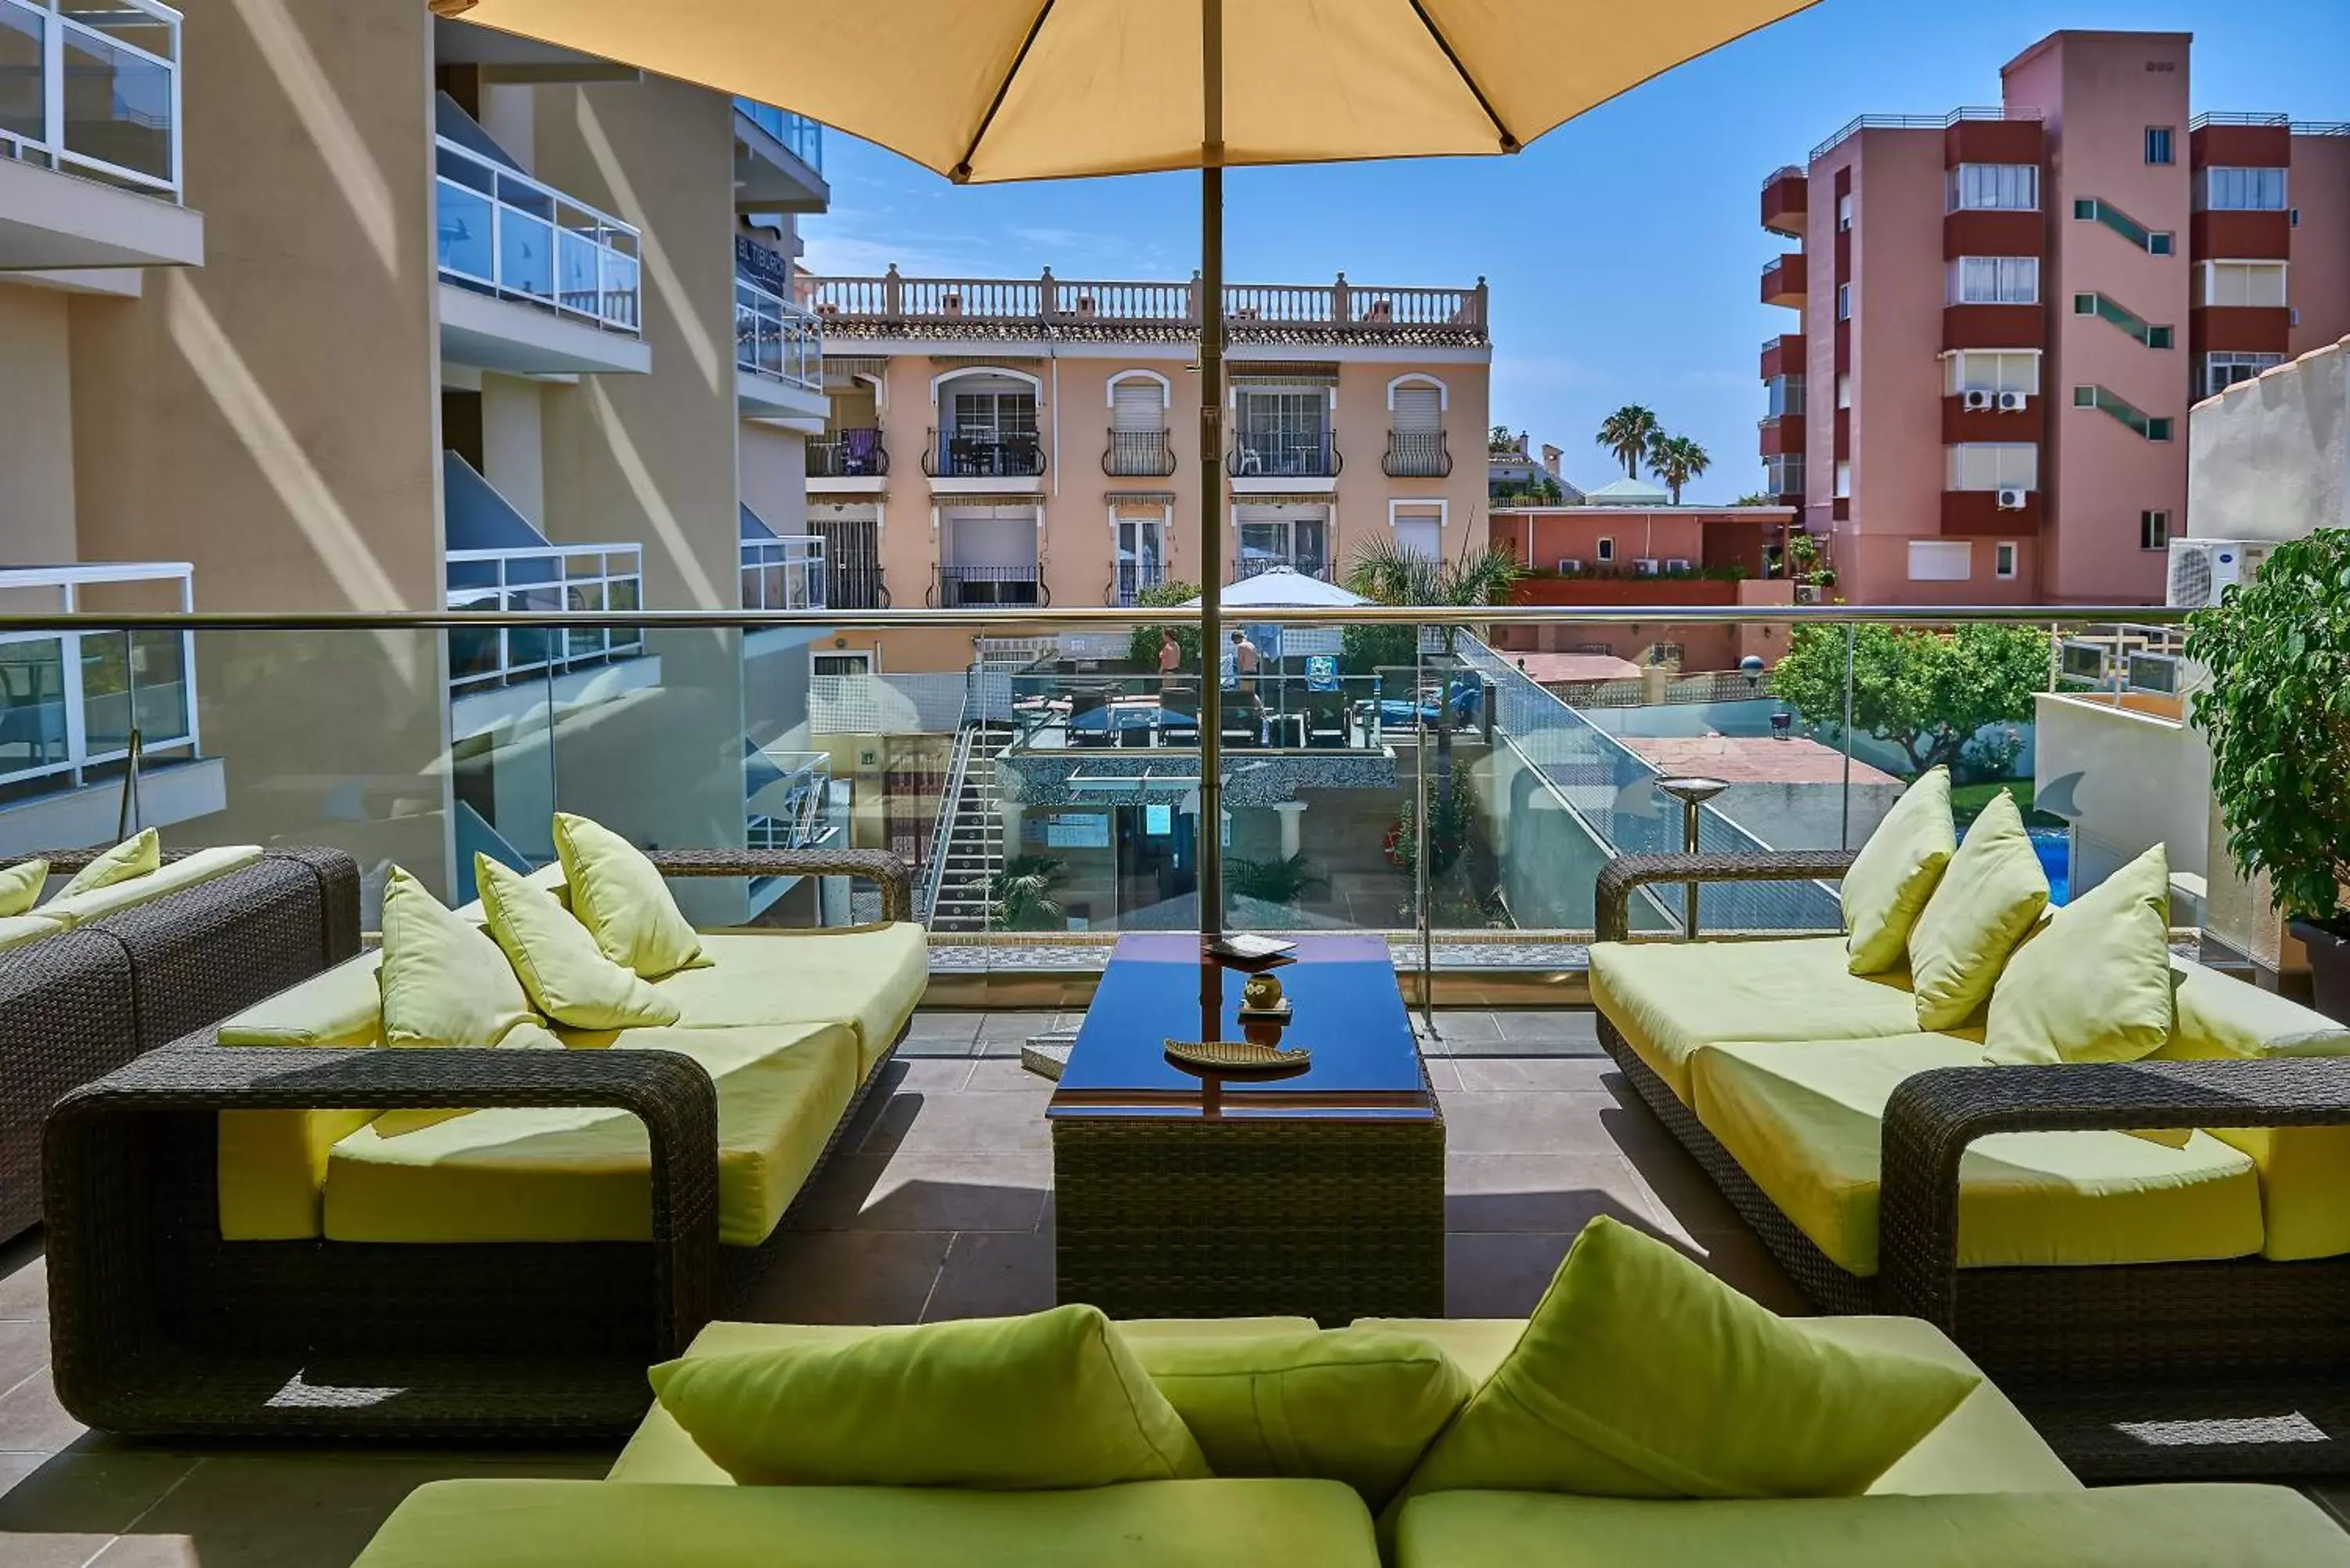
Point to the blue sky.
(1622, 248)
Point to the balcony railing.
(1140, 454)
(93, 90)
(1919, 123)
(1048, 301)
(961, 453)
(776, 338)
(559, 579)
(1131, 579)
(855, 585)
(1305, 456)
(503, 232)
(783, 573)
(802, 137)
(848, 454)
(1252, 563)
(790, 795)
(973, 587)
(70, 700)
(1416, 454)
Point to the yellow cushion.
(564, 973)
(20, 887)
(445, 980)
(1990, 893)
(583, 1175)
(203, 866)
(342, 1006)
(15, 931)
(2220, 1016)
(1804, 1120)
(271, 1169)
(873, 976)
(620, 896)
(1670, 997)
(136, 855)
(2092, 982)
(1895, 872)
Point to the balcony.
(1140, 454)
(983, 587)
(1786, 201)
(1256, 563)
(2238, 329)
(1993, 231)
(1972, 416)
(1781, 434)
(550, 577)
(778, 357)
(778, 160)
(853, 453)
(1788, 354)
(2250, 234)
(94, 93)
(1276, 458)
(1416, 454)
(968, 452)
(782, 571)
(1981, 514)
(1131, 579)
(1994, 327)
(1786, 280)
(2240, 140)
(852, 584)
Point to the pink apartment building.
(2003, 314)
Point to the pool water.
(2055, 847)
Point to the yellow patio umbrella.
(988, 91)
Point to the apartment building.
(1005, 441)
(465, 322)
(2003, 314)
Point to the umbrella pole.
(1211, 827)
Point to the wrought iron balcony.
(855, 585)
(1416, 454)
(848, 454)
(1306, 456)
(975, 587)
(1134, 578)
(982, 454)
(1133, 454)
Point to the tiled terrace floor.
(942, 1209)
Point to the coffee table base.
(1328, 1219)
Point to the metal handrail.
(592, 269)
(52, 27)
(1016, 456)
(588, 639)
(2238, 116)
(1082, 301)
(926, 898)
(1921, 122)
(1416, 454)
(1313, 458)
(791, 564)
(827, 457)
(1140, 454)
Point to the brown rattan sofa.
(2236, 1366)
(78, 1004)
(160, 1327)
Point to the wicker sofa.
(241, 1245)
(2159, 1309)
(143, 963)
(1982, 1487)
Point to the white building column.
(1292, 828)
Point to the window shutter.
(1418, 411)
(1138, 404)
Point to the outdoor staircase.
(973, 847)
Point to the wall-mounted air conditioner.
(2010, 402)
(1976, 403)
(2154, 673)
(1678, 563)
(1645, 566)
(2013, 500)
(1568, 566)
(2203, 569)
(2083, 660)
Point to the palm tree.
(1627, 432)
(1677, 460)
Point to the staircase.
(973, 848)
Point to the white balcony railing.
(595, 577)
(1372, 311)
(70, 700)
(801, 137)
(774, 338)
(790, 799)
(783, 573)
(505, 234)
(93, 90)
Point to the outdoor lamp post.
(1693, 792)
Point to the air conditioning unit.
(1568, 566)
(2010, 402)
(1645, 566)
(1678, 563)
(2013, 500)
(1976, 403)
(2083, 660)
(2154, 673)
(2203, 569)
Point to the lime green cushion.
(2092, 982)
(2220, 1016)
(564, 973)
(1806, 1121)
(20, 887)
(1640, 1375)
(342, 1006)
(2200, 1526)
(1668, 998)
(1895, 872)
(1990, 895)
(873, 976)
(445, 980)
(585, 1175)
(15, 931)
(620, 896)
(1148, 1525)
(1049, 1400)
(202, 865)
(136, 855)
(1353, 1405)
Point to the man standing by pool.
(1245, 662)
(1171, 656)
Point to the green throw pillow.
(1353, 1405)
(445, 980)
(620, 896)
(1640, 1375)
(566, 975)
(136, 855)
(1991, 892)
(20, 887)
(2095, 982)
(1896, 871)
(1015, 1403)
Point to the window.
(1995, 280)
(1843, 389)
(1995, 465)
(2084, 396)
(1992, 370)
(1844, 302)
(1606, 550)
(2158, 144)
(1137, 403)
(2156, 427)
(2158, 337)
(1997, 187)
(2256, 283)
(2154, 530)
(2085, 209)
(858, 661)
(2161, 243)
(1844, 479)
(1784, 474)
(2003, 559)
(2222, 371)
(1940, 560)
(1295, 536)
(1141, 549)
(1419, 527)
(1285, 431)
(2240, 190)
(2085, 305)
(1786, 396)
(1843, 212)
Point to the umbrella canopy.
(1278, 588)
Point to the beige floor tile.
(24, 1350)
(1542, 1193)
(994, 1274)
(31, 1419)
(58, 1511)
(930, 1193)
(1525, 1122)
(23, 1283)
(850, 1276)
(1500, 1273)
(1579, 1074)
(959, 1124)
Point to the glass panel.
(105, 691)
(580, 290)
(125, 23)
(159, 677)
(526, 254)
(32, 720)
(118, 106)
(462, 229)
(621, 289)
(24, 101)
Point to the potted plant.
(2276, 709)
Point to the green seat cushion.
(1668, 998)
(1896, 873)
(1050, 1400)
(342, 1006)
(872, 976)
(2200, 1526)
(1984, 1445)
(111, 897)
(15, 931)
(620, 896)
(21, 885)
(1148, 1525)
(2093, 982)
(584, 1175)
(565, 974)
(446, 982)
(1806, 1121)
(136, 855)
(1990, 895)
(1640, 1375)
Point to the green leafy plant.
(1273, 881)
(1143, 650)
(1926, 692)
(1452, 812)
(2277, 713)
(1627, 432)
(1499, 439)
(1023, 895)
(1676, 461)
(1387, 573)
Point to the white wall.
(2143, 780)
(775, 476)
(2270, 458)
(513, 444)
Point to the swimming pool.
(2055, 847)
